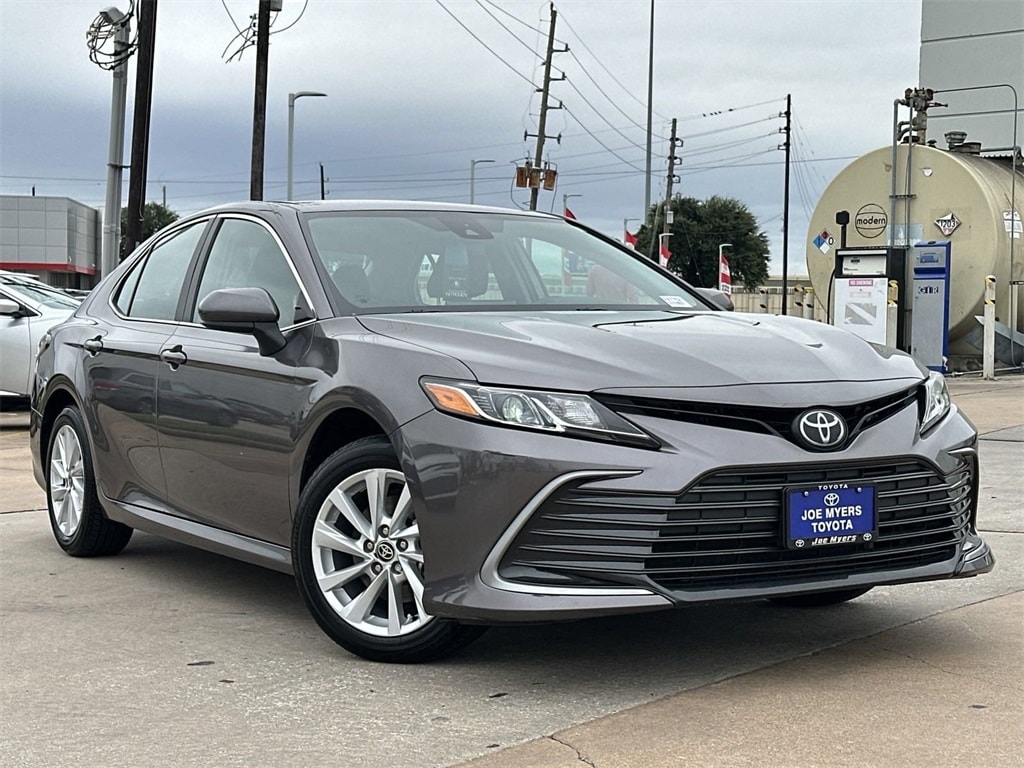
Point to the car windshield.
(41, 295)
(445, 260)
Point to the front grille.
(766, 420)
(726, 530)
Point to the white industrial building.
(978, 46)
(54, 238)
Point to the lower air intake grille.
(725, 531)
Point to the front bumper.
(520, 527)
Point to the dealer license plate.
(829, 514)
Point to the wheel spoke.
(331, 581)
(356, 611)
(348, 510)
(395, 614)
(412, 575)
(411, 533)
(401, 511)
(376, 496)
(62, 513)
(74, 512)
(329, 537)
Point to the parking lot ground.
(946, 690)
(170, 656)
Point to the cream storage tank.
(953, 194)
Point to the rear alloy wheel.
(79, 523)
(357, 559)
(820, 599)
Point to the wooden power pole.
(785, 206)
(542, 125)
(140, 127)
(259, 111)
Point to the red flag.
(724, 276)
(630, 239)
(570, 215)
(665, 254)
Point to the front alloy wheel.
(366, 554)
(358, 563)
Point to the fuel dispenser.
(929, 336)
(862, 292)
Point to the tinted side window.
(246, 255)
(152, 289)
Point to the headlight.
(564, 413)
(936, 400)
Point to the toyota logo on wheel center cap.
(820, 429)
(385, 551)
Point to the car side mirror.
(718, 298)
(10, 308)
(244, 310)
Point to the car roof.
(329, 206)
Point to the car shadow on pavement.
(659, 650)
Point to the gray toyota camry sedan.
(441, 417)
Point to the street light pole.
(472, 178)
(115, 157)
(291, 131)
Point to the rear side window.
(153, 288)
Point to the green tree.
(698, 228)
(154, 218)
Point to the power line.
(297, 18)
(605, 119)
(728, 110)
(732, 127)
(489, 49)
(603, 93)
(501, 24)
(591, 134)
(712, 149)
(227, 10)
(607, 71)
(513, 17)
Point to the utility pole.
(545, 89)
(653, 250)
(672, 178)
(259, 110)
(785, 206)
(323, 183)
(140, 125)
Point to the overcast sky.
(413, 98)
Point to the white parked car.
(26, 313)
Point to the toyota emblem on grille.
(820, 428)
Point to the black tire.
(347, 575)
(79, 524)
(820, 599)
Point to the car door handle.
(173, 356)
(93, 345)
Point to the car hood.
(609, 350)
